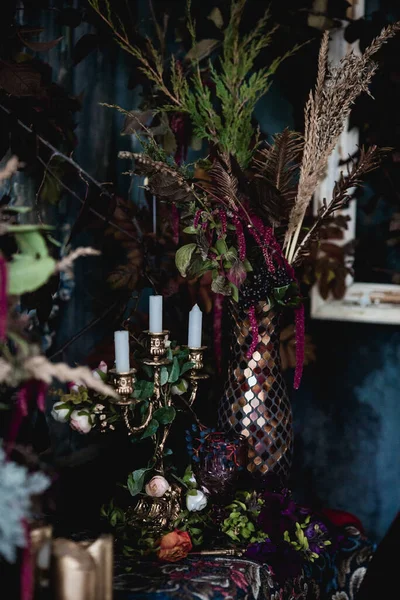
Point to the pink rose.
(81, 423)
(157, 487)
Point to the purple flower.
(278, 514)
(283, 559)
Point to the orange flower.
(174, 546)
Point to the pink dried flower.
(197, 218)
(224, 225)
(240, 237)
(254, 331)
(299, 321)
(218, 306)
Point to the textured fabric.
(336, 575)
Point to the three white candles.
(195, 326)
(156, 314)
(121, 343)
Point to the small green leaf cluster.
(300, 541)
(241, 523)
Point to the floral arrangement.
(265, 526)
(243, 207)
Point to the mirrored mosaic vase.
(255, 403)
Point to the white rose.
(59, 414)
(181, 388)
(81, 423)
(157, 487)
(196, 502)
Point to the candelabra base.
(156, 514)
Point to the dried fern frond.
(326, 114)
(279, 164)
(164, 181)
(279, 161)
(224, 184)
(343, 191)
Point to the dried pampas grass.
(326, 113)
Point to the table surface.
(335, 575)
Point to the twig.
(81, 172)
(75, 195)
(84, 330)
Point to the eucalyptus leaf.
(183, 257)
(136, 481)
(186, 367)
(164, 375)
(165, 415)
(150, 429)
(175, 370)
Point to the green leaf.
(174, 374)
(136, 481)
(280, 292)
(221, 247)
(183, 257)
(150, 429)
(28, 227)
(247, 265)
(26, 274)
(144, 389)
(186, 367)
(164, 375)
(235, 291)
(190, 229)
(165, 414)
(147, 370)
(19, 209)
(31, 243)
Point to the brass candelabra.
(124, 385)
(155, 512)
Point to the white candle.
(155, 314)
(195, 325)
(121, 343)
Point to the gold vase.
(255, 403)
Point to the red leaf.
(40, 46)
(19, 79)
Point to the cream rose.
(81, 423)
(59, 414)
(157, 487)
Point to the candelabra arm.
(138, 428)
(193, 391)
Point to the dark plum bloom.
(283, 559)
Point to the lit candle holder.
(195, 327)
(155, 314)
(121, 343)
